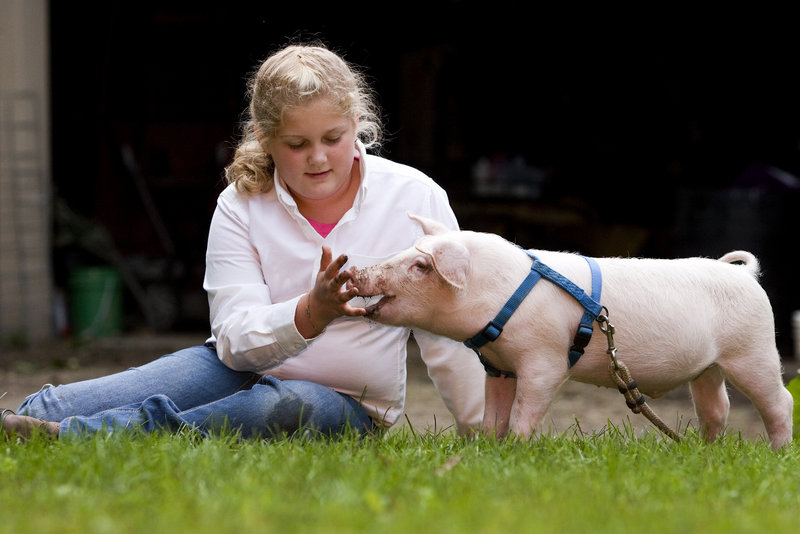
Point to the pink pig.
(693, 320)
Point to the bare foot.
(23, 426)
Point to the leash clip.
(608, 329)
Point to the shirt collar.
(360, 153)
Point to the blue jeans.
(193, 388)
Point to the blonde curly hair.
(287, 79)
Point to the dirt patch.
(589, 408)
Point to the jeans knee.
(159, 403)
(43, 404)
(322, 408)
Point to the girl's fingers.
(325, 262)
(336, 265)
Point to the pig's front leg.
(500, 392)
(536, 389)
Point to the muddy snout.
(365, 281)
(370, 293)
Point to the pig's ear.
(451, 261)
(429, 226)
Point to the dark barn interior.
(653, 138)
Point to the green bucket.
(95, 306)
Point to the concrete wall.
(26, 289)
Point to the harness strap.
(590, 304)
(495, 327)
(538, 270)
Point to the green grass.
(404, 481)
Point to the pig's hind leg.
(711, 402)
(760, 378)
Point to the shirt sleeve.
(252, 333)
(458, 376)
(440, 210)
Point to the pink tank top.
(322, 229)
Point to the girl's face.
(313, 151)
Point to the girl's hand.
(329, 297)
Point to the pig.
(695, 320)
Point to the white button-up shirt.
(263, 255)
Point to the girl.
(289, 348)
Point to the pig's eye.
(422, 266)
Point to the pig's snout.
(361, 280)
(369, 282)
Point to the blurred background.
(636, 134)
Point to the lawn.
(404, 481)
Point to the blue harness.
(539, 270)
